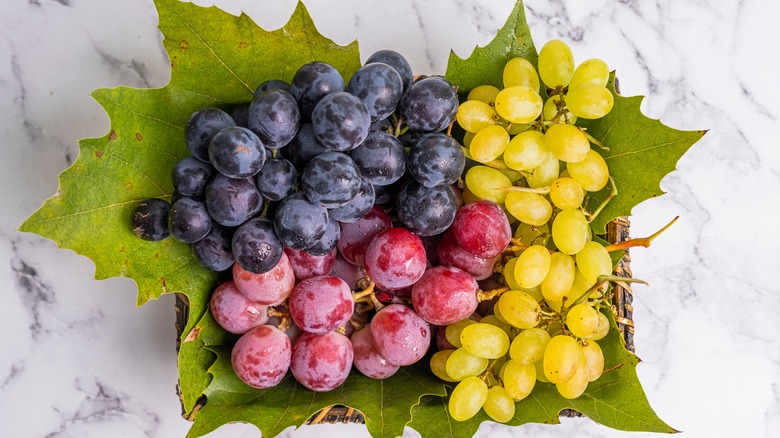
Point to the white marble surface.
(79, 360)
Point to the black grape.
(299, 223)
(190, 176)
(395, 60)
(237, 152)
(150, 219)
(256, 247)
(436, 159)
(215, 250)
(231, 202)
(304, 147)
(330, 180)
(276, 180)
(273, 84)
(274, 116)
(429, 105)
(202, 127)
(312, 82)
(427, 211)
(328, 241)
(381, 158)
(358, 206)
(189, 220)
(380, 88)
(341, 121)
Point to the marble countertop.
(80, 360)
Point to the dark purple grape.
(274, 116)
(276, 180)
(328, 241)
(189, 220)
(384, 125)
(304, 147)
(299, 223)
(190, 176)
(231, 202)
(214, 251)
(202, 127)
(312, 82)
(273, 84)
(237, 152)
(340, 121)
(381, 159)
(427, 211)
(330, 180)
(436, 159)
(380, 88)
(256, 247)
(395, 60)
(429, 105)
(239, 114)
(358, 206)
(150, 219)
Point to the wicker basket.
(617, 231)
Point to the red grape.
(445, 295)
(305, 265)
(271, 287)
(400, 335)
(234, 312)
(346, 271)
(452, 254)
(395, 259)
(321, 362)
(482, 229)
(321, 304)
(356, 236)
(367, 359)
(261, 357)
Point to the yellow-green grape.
(467, 398)
(532, 235)
(526, 151)
(497, 313)
(534, 292)
(469, 197)
(556, 306)
(499, 405)
(554, 327)
(545, 173)
(570, 231)
(502, 369)
(484, 93)
(582, 320)
(509, 274)
(556, 64)
(579, 287)
(592, 172)
(589, 101)
(518, 71)
(561, 359)
(576, 385)
(566, 193)
(462, 364)
(592, 71)
(528, 346)
(488, 144)
(532, 266)
(603, 328)
(453, 331)
(512, 175)
(550, 110)
(520, 309)
(498, 364)
(519, 379)
(567, 143)
(519, 104)
(594, 358)
(539, 366)
(517, 128)
(494, 321)
(474, 115)
(467, 137)
(560, 278)
(593, 261)
(486, 340)
(528, 208)
(439, 363)
(486, 183)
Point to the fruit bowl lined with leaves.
(219, 61)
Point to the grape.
(519, 104)
(593, 261)
(570, 231)
(566, 193)
(453, 331)
(444, 295)
(452, 254)
(592, 172)
(488, 144)
(150, 219)
(395, 259)
(427, 211)
(340, 121)
(358, 206)
(526, 151)
(305, 146)
(528, 346)
(239, 114)
(561, 359)
(567, 142)
(189, 221)
(528, 208)
(485, 182)
(215, 250)
(231, 202)
(305, 265)
(191, 175)
(429, 105)
(330, 180)
(436, 159)
(271, 287)
(379, 86)
(556, 64)
(367, 359)
(300, 223)
(261, 357)
(274, 116)
(576, 385)
(533, 235)
(484, 93)
(256, 247)
(580, 286)
(560, 278)
(312, 82)
(236, 152)
(346, 271)
(499, 405)
(589, 101)
(594, 360)
(482, 229)
(462, 364)
(582, 320)
(328, 241)
(602, 330)
(321, 304)
(276, 180)
(467, 398)
(519, 379)
(356, 236)
(519, 309)
(509, 274)
(400, 335)
(532, 266)
(592, 71)
(485, 340)
(321, 362)
(234, 312)
(544, 174)
(494, 321)
(395, 60)
(475, 115)
(202, 127)
(384, 125)
(438, 364)
(550, 111)
(381, 158)
(272, 84)
(519, 71)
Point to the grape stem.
(367, 295)
(540, 190)
(611, 196)
(640, 241)
(593, 140)
(490, 294)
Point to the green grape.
(499, 405)
(532, 266)
(488, 144)
(560, 278)
(512, 175)
(484, 93)
(486, 183)
(519, 104)
(497, 313)
(589, 101)
(519, 379)
(532, 235)
(467, 398)
(594, 360)
(534, 292)
(567, 143)
(474, 115)
(469, 197)
(550, 110)
(579, 287)
(593, 261)
(526, 151)
(592, 71)
(485, 340)
(520, 309)
(561, 359)
(603, 328)
(467, 138)
(528, 346)
(517, 128)
(439, 362)
(509, 274)
(545, 173)
(582, 320)
(592, 172)
(556, 64)
(570, 231)
(453, 331)
(566, 193)
(539, 366)
(494, 321)
(462, 364)
(576, 385)
(518, 71)
(528, 208)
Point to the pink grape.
(356, 236)
(367, 359)
(269, 288)
(452, 254)
(262, 356)
(395, 259)
(234, 312)
(482, 229)
(321, 304)
(445, 295)
(400, 335)
(305, 265)
(346, 271)
(321, 362)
